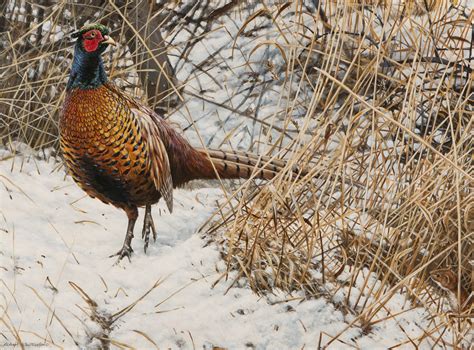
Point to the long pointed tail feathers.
(233, 165)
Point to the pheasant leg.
(126, 250)
(148, 225)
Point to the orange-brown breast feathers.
(106, 148)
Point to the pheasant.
(121, 152)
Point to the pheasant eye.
(90, 35)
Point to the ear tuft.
(103, 29)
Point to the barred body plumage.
(104, 148)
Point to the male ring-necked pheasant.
(120, 151)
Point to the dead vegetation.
(390, 111)
(376, 103)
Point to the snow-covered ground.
(55, 240)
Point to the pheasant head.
(87, 68)
(93, 38)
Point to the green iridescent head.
(92, 26)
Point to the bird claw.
(148, 225)
(126, 251)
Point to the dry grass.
(388, 123)
(377, 103)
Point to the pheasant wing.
(148, 122)
(158, 156)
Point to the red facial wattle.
(92, 40)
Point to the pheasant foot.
(126, 250)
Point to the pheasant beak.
(108, 40)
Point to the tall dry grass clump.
(387, 137)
